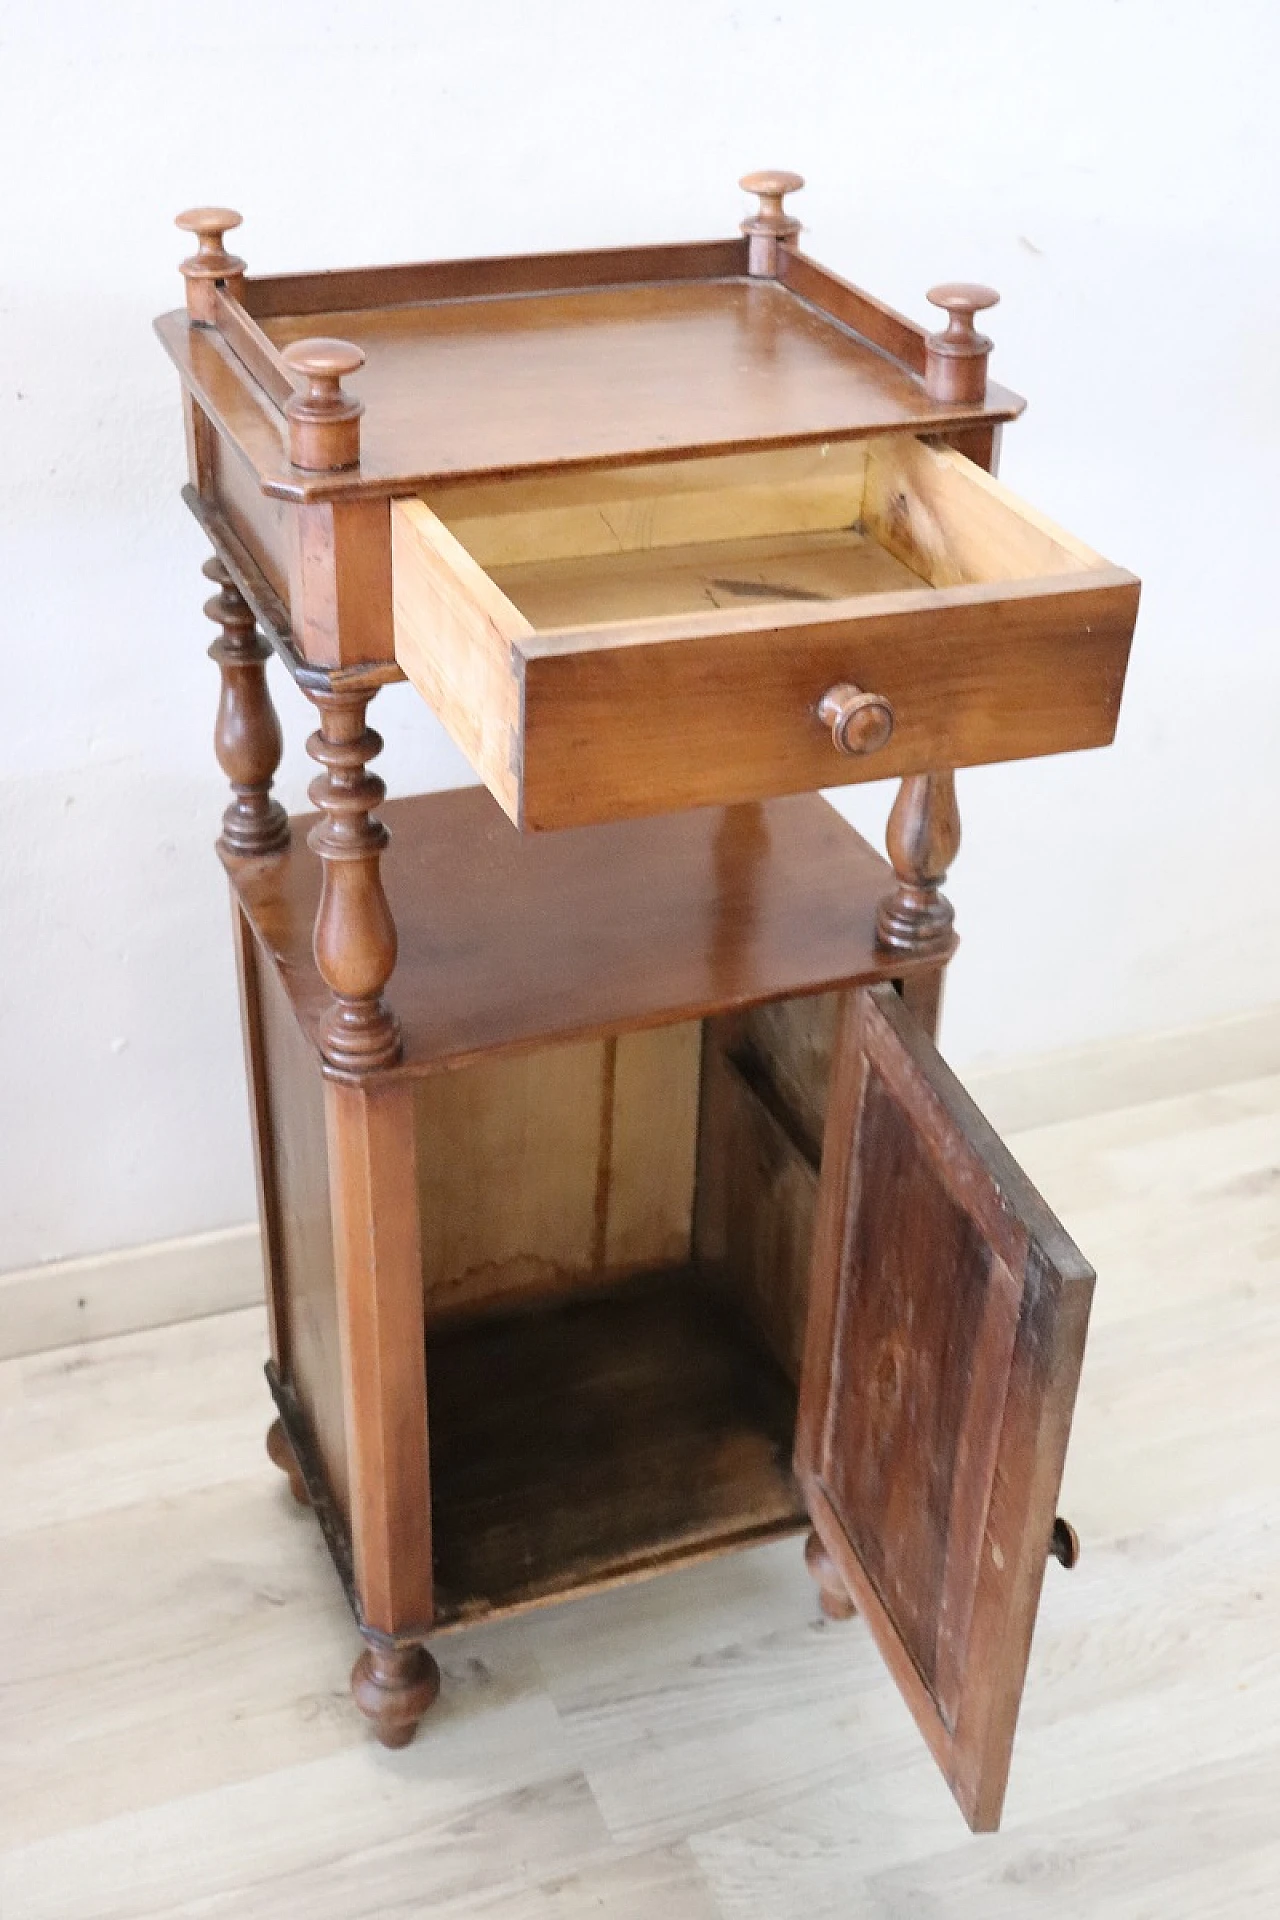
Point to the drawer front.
(706, 718)
(704, 633)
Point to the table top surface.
(674, 355)
(611, 373)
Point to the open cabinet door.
(946, 1330)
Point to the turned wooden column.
(923, 839)
(355, 935)
(246, 735)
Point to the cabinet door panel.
(946, 1331)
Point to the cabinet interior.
(616, 1238)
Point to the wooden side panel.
(200, 437)
(552, 1171)
(955, 525)
(946, 1331)
(295, 1156)
(263, 525)
(248, 970)
(453, 634)
(757, 1192)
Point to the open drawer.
(695, 632)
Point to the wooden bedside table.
(617, 1207)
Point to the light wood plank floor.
(176, 1736)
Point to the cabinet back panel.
(552, 1170)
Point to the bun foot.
(833, 1595)
(281, 1454)
(393, 1687)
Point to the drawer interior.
(611, 643)
(818, 523)
(616, 1240)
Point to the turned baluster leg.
(916, 918)
(833, 1595)
(355, 936)
(247, 733)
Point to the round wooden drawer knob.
(859, 722)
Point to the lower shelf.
(671, 919)
(600, 1439)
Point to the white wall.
(1103, 163)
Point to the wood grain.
(753, 903)
(610, 375)
(294, 1170)
(698, 1744)
(935, 1411)
(603, 374)
(718, 708)
(662, 503)
(642, 676)
(555, 1170)
(653, 1146)
(430, 282)
(453, 637)
(599, 1440)
(757, 1198)
(790, 1043)
(378, 1263)
(746, 571)
(955, 525)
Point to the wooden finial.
(769, 224)
(955, 368)
(211, 265)
(324, 423)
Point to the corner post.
(381, 1331)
